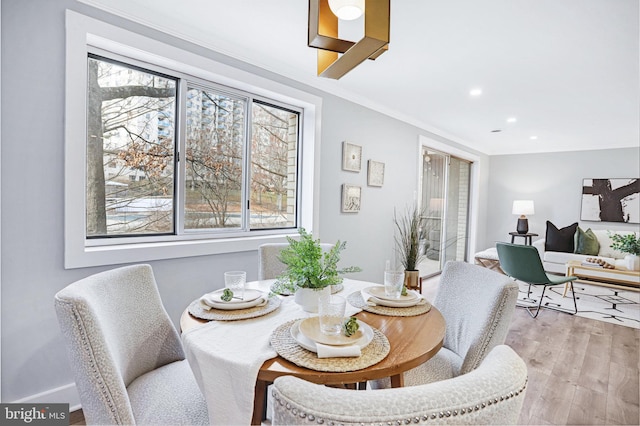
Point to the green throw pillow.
(586, 242)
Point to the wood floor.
(581, 371)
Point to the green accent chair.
(522, 263)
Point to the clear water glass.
(331, 311)
(236, 281)
(393, 281)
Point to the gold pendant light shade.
(323, 35)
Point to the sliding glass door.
(445, 204)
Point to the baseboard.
(63, 394)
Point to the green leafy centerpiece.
(311, 269)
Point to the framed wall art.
(351, 198)
(375, 173)
(611, 200)
(351, 157)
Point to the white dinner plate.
(236, 306)
(310, 345)
(397, 303)
(249, 295)
(378, 291)
(310, 327)
(252, 298)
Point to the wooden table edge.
(266, 377)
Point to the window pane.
(130, 151)
(274, 148)
(214, 155)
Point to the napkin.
(330, 351)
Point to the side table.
(527, 237)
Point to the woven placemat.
(197, 309)
(288, 348)
(355, 299)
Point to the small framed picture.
(375, 173)
(351, 157)
(351, 198)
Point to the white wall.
(554, 182)
(34, 361)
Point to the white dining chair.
(493, 393)
(126, 355)
(477, 305)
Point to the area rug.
(621, 307)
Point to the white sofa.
(554, 261)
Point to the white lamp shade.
(523, 207)
(347, 9)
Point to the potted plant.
(630, 244)
(410, 227)
(310, 271)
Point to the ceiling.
(568, 70)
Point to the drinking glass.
(331, 311)
(393, 281)
(236, 282)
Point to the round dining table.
(413, 340)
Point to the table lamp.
(522, 208)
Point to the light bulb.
(347, 9)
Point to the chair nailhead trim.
(87, 348)
(418, 419)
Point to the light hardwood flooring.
(581, 371)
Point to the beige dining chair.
(477, 305)
(493, 393)
(269, 264)
(125, 353)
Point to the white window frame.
(84, 34)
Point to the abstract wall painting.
(611, 200)
(351, 157)
(375, 173)
(351, 198)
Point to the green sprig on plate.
(227, 295)
(351, 326)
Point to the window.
(130, 140)
(171, 154)
(132, 123)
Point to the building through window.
(170, 155)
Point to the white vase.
(632, 262)
(307, 298)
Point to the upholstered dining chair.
(269, 265)
(126, 355)
(522, 263)
(491, 394)
(477, 305)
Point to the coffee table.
(619, 278)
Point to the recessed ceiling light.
(533, 138)
(511, 120)
(475, 92)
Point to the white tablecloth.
(225, 356)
